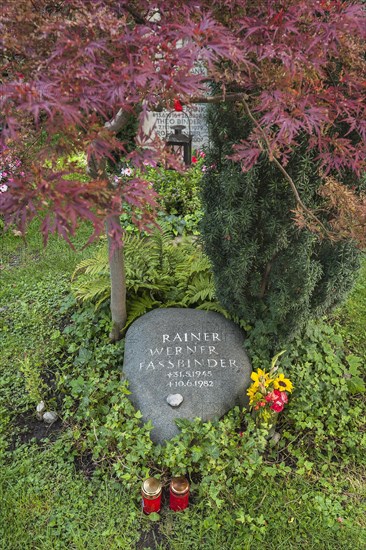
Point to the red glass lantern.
(179, 494)
(151, 495)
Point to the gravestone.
(155, 122)
(196, 355)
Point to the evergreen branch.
(266, 275)
(287, 176)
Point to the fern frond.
(94, 266)
(214, 306)
(201, 289)
(139, 306)
(87, 288)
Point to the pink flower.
(273, 396)
(284, 397)
(204, 168)
(202, 154)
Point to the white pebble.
(49, 417)
(174, 399)
(40, 410)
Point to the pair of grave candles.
(152, 491)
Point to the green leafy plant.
(159, 271)
(328, 405)
(179, 196)
(179, 201)
(34, 385)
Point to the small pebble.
(40, 410)
(49, 417)
(174, 399)
(275, 439)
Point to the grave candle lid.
(151, 487)
(179, 485)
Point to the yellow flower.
(251, 393)
(283, 384)
(261, 377)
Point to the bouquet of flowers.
(268, 393)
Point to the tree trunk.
(116, 257)
(118, 284)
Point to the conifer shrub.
(267, 271)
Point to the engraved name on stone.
(197, 368)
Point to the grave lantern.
(178, 141)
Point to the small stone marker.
(197, 114)
(187, 355)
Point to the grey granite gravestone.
(198, 355)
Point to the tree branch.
(266, 275)
(287, 176)
(137, 17)
(236, 96)
(98, 169)
(117, 123)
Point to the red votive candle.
(179, 494)
(151, 495)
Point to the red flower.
(194, 160)
(178, 106)
(277, 406)
(277, 400)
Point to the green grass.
(352, 316)
(55, 495)
(45, 504)
(30, 257)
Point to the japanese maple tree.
(75, 71)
